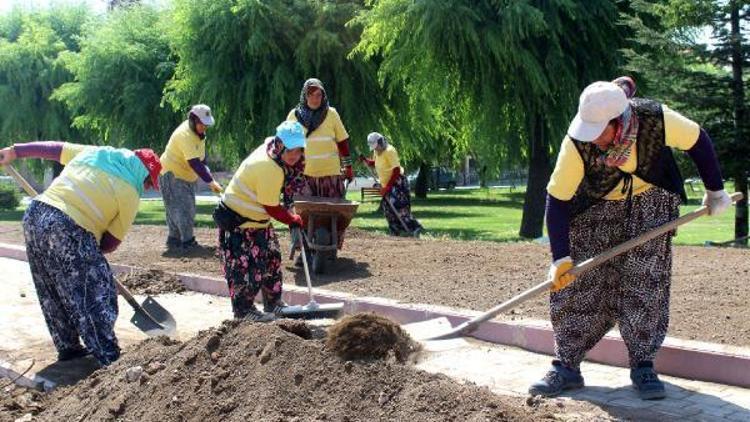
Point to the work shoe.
(256, 315)
(559, 378)
(646, 382)
(71, 354)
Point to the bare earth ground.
(249, 371)
(710, 293)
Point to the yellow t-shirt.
(680, 132)
(94, 199)
(385, 162)
(321, 152)
(257, 182)
(183, 145)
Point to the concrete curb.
(680, 358)
(29, 379)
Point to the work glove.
(215, 187)
(558, 273)
(296, 222)
(349, 173)
(716, 201)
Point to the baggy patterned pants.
(251, 260)
(179, 203)
(631, 289)
(73, 281)
(399, 197)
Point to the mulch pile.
(369, 336)
(252, 371)
(150, 282)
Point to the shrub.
(9, 197)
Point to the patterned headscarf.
(309, 118)
(626, 133)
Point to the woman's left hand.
(716, 201)
(7, 155)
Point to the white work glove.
(558, 273)
(716, 201)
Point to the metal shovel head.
(423, 331)
(153, 319)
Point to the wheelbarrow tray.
(318, 206)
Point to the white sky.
(6, 5)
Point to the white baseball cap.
(600, 102)
(203, 112)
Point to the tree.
(248, 60)
(120, 76)
(505, 74)
(698, 79)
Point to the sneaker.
(558, 379)
(275, 307)
(646, 382)
(259, 316)
(73, 354)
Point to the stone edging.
(680, 358)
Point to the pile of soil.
(251, 371)
(150, 282)
(369, 336)
(16, 402)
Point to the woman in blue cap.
(250, 252)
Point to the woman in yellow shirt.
(84, 214)
(396, 202)
(615, 179)
(250, 252)
(184, 161)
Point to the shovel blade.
(153, 319)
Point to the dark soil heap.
(151, 282)
(369, 336)
(250, 371)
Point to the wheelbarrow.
(324, 219)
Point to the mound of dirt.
(250, 371)
(150, 282)
(16, 402)
(369, 336)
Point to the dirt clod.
(369, 336)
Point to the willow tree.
(248, 60)
(669, 55)
(31, 43)
(120, 75)
(516, 65)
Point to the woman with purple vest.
(616, 178)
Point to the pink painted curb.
(679, 358)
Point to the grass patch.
(473, 214)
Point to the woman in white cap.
(395, 187)
(616, 178)
(184, 161)
(250, 252)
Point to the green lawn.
(483, 214)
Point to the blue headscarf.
(118, 162)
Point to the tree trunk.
(422, 185)
(741, 211)
(532, 221)
(740, 124)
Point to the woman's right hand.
(7, 155)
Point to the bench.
(371, 194)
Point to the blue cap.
(292, 134)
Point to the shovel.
(436, 329)
(150, 317)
